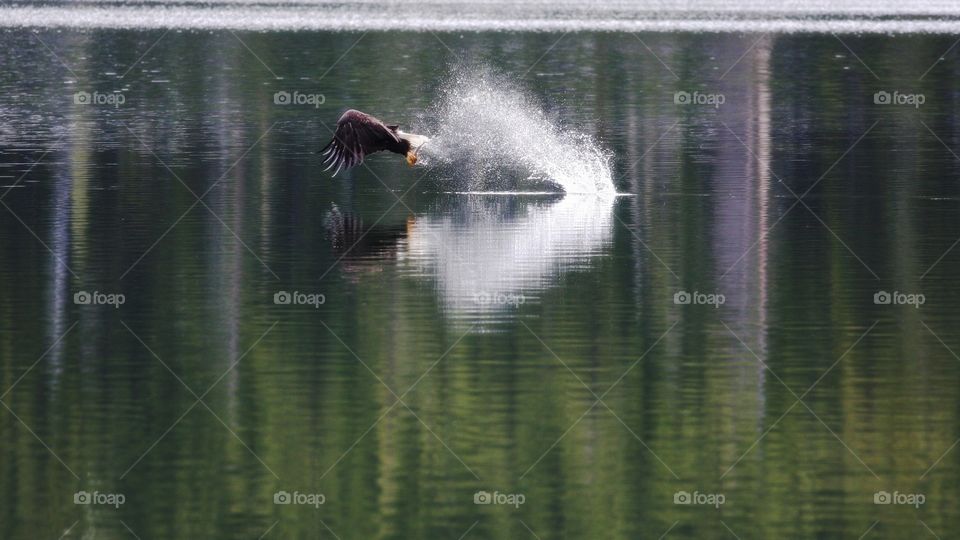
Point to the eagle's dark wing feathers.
(357, 135)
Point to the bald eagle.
(359, 134)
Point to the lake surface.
(766, 317)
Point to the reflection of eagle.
(358, 250)
(359, 134)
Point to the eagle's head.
(414, 142)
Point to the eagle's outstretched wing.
(357, 135)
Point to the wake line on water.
(497, 138)
(527, 194)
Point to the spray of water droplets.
(496, 137)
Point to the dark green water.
(520, 344)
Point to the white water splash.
(502, 138)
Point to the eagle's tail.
(416, 143)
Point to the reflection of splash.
(497, 132)
(491, 255)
